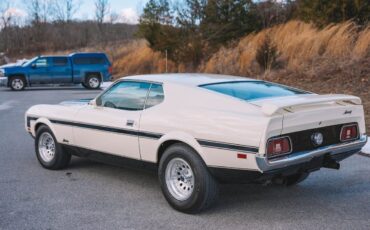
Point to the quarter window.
(125, 96)
(155, 96)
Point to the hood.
(77, 102)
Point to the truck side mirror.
(33, 65)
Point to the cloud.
(129, 15)
(15, 13)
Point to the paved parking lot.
(91, 195)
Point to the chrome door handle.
(130, 122)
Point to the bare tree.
(101, 10)
(65, 9)
(39, 10)
(5, 17)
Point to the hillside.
(335, 59)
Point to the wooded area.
(51, 26)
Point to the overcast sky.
(128, 10)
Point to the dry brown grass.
(299, 45)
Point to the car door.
(61, 70)
(111, 126)
(39, 71)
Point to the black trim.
(29, 119)
(227, 146)
(110, 159)
(156, 136)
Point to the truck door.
(39, 71)
(61, 70)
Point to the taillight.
(110, 69)
(349, 132)
(278, 146)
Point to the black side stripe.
(204, 143)
(227, 146)
(109, 129)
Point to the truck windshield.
(29, 61)
(252, 90)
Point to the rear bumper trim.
(296, 158)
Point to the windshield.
(252, 90)
(29, 61)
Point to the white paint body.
(190, 113)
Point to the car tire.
(295, 178)
(49, 152)
(93, 82)
(193, 189)
(17, 83)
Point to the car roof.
(191, 79)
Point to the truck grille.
(301, 140)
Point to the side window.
(155, 96)
(41, 62)
(60, 61)
(125, 96)
(89, 60)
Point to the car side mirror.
(92, 102)
(33, 65)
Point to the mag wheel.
(48, 151)
(185, 180)
(93, 82)
(17, 83)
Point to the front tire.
(185, 180)
(17, 83)
(49, 152)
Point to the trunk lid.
(311, 111)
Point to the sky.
(128, 11)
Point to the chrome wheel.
(17, 84)
(46, 147)
(179, 179)
(94, 82)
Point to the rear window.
(89, 60)
(252, 90)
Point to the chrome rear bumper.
(296, 158)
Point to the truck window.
(60, 61)
(41, 62)
(89, 60)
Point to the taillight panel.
(279, 146)
(349, 132)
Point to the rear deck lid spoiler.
(272, 106)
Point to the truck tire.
(17, 83)
(185, 180)
(93, 82)
(49, 152)
(296, 178)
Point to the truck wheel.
(48, 151)
(93, 82)
(185, 180)
(17, 83)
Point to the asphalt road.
(91, 195)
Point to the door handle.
(130, 122)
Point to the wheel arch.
(42, 121)
(178, 137)
(87, 74)
(22, 75)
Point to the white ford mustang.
(200, 129)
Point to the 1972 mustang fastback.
(198, 130)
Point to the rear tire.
(92, 82)
(185, 180)
(49, 152)
(17, 83)
(296, 178)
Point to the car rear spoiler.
(271, 107)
